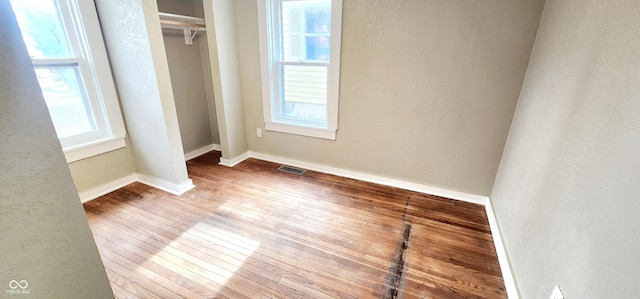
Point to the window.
(65, 43)
(300, 60)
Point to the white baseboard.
(505, 266)
(201, 151)
(234, 161)
(107, 188)
(157, 183)
(437, 191)
(163, 185)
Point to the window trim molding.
(94, 50)
(267, 70)
(95, 148)
(84, 35)
(300, 130)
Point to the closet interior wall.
(191, 79)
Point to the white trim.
(180, 18)
(503, 259)
(300, 130)
(157, 183)
(201, 151)
(437, 191)
(269, 49)
(163, 185)
(93, 149)
(265, 47)
(371, 178)
(101, 73)
(333, 76)
(80, 19)
(234, 161)
(107, 188)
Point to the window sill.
(301, 130)
(93, 149)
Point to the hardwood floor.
(254, 232)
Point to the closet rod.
(190, 26)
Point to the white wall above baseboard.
(201, 151)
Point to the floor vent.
(291, 169)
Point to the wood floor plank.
(254, 232)
(230, 224)
(204, 235)
(136, 287)
(198, 269)
(116, 262)
(118, 291)
(214, 259)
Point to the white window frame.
(81, 26)
(269, 31)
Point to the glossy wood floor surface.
(254, 232)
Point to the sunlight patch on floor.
(212, 270)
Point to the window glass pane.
(41, 28)
(317, 48)
(318, 18)
(66, 99)
(305, 30)
(292, 31)
(305, 92)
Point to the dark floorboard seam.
(394, 280)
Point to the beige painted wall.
(102, 169)
(44, 236)
(225, 75)
(427, 90)
(186, 69)
(203, 41)
(136, 50)
(567, 193)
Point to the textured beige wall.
(203, 41)
(44, 236)
(225, 74)
(185, 66)
(102, 169)
(567, 193)
(136, 50)
(427, 89)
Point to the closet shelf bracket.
(190, 26)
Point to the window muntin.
(73, 73)
(301, 65)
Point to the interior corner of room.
(529, 108)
